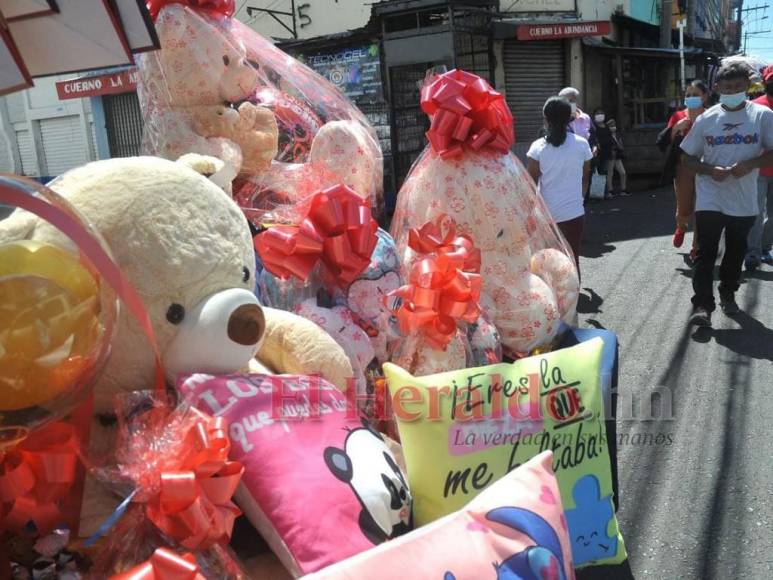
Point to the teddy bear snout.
(219, 334)
(246, 324)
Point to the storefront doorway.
(529, 82)
(410, 122)
(123, 122)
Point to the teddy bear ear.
(203, 164)
(19, 225)
(210, 167)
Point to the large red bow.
(466, 111)
(213, 7)
(443, 287)
(35, 476)
(429, 239)
(338, 231)
(193, 503)
(163, 565)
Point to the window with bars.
(123, 120)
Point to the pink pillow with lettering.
(513, 530)
(319, 485)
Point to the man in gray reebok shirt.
(725, 147)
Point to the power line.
(749, 23)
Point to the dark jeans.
(572, 231)
(709, 227)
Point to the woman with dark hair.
(696, 101)
(560, 165)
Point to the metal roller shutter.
(124, 124)
(534, 71)
(27, 153)
(64, 144)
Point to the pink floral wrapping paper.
(491, 198)
(210, 69)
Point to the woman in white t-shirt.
(560, 165)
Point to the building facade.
(378, 53)
(43, 136)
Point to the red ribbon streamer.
(193, 502)
(35, 476)
(212, 7)
(443, 287)
(163, 565)
(466, 112)
(338, 231)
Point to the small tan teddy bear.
(193, 94)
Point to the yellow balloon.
(50, 325)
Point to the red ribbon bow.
(213, 7)
(443, 287)
(193, 503)
(338, 231)
(35, 476)
(466, 111)
(163, 565)
(429, 239)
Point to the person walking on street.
(725, 148)
(580, 123)
(696, 100)
(615, 164)
(560, 165)
(761, 234)
(604, 151)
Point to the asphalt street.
(696, 478)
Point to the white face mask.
(599, 118)
(574, 108)
(732, 101)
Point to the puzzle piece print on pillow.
(588, 522)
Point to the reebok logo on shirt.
(735, 139)
(731, 126)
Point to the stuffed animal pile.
(470, 179)
(261, 354)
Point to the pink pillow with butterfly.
(513, 530)
(319, 485)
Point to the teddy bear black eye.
(175, 314)
(245, 274)
(226, 60)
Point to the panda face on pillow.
(369, 468)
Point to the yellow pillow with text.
(463, 430)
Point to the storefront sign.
(563, 30)
(542, 6)
(111, 84)
(356, 70)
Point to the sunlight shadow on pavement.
(753, 339)
(589, 303)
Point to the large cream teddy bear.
(194, 95)
(186, 248)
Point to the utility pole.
(280, 16)
(682, 24)
(692, 6)
(666, 7)
(746, 33)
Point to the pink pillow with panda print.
(513, 530)
(319, 485)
